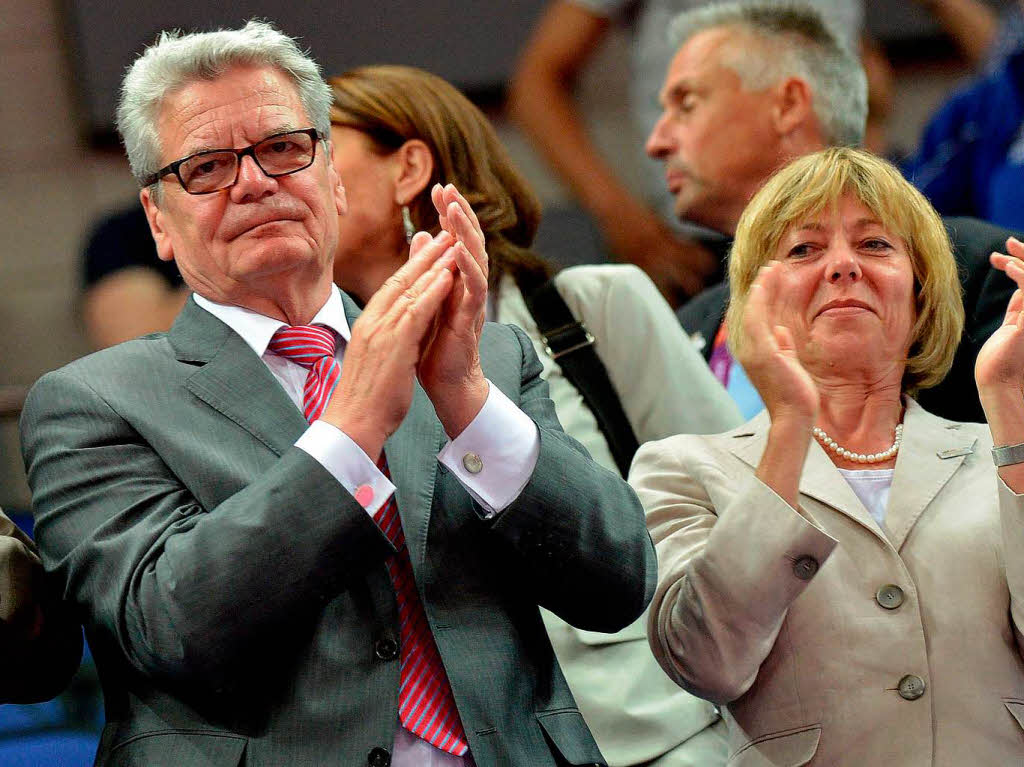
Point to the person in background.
(397, 131)
(127, 290)
(753, 86)
(298, 533)
(841, 573)
(40, 641)
(639, 230)
(970, 160)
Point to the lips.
(239, 228)
(674, 179)
(844, 303)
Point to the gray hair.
(798, 43)
(177, 59)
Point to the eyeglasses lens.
(277, 156)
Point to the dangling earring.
(407, 224)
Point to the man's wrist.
(459, 409)
(369, 439)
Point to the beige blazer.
(635, 712)
(778, 613)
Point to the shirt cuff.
(345, 460)
(494, 457)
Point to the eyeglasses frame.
(249, 151)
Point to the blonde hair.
(816, 182)
(392, 104)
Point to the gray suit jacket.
(236, 596)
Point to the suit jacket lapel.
(820, 478)
(233, 380)
(412, 458)
(931, 452)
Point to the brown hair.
(393, 104)
(815, 182)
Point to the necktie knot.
(303, 344)
(312, 347)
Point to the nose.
(842, 264)
(252, 183)
(659, 143)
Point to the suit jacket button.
(805, 567)
(889, 596)
(911, 687)
(379, 757)
(472, 463)
(385, 649)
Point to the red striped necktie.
(426, 706)
(311, 346)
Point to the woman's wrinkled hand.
(768, 354)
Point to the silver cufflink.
(472, 463)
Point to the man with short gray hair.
(298, 534)
(751, 87)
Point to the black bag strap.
(569, 343)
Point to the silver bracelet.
(1007, 455)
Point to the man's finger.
(413, 312)
(437, 197)
(474, 278)
(467, 234)
(452, 194)
(425, 256)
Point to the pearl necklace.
(830, 444)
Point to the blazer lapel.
(931, 452)
(412, 459)
(819, 480)
(233, 380)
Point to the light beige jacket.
(635, 712)
(809, 670)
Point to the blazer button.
(379, 757)
(472, 463)
(385, 649)
(889, 596)
(805, 568)
(911, 687)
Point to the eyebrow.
(286, 128)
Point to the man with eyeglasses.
(298, 534)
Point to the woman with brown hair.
(398, 131)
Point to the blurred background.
(61, 168)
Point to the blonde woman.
(842, 573)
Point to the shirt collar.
(257, 329)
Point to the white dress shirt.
(504, 439)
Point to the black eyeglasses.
(216, 169)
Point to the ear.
(155, 216)
(340, 199)
(414, 165)
(793, 106)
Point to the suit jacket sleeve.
(576, 529)
(726, 577)
(39, 659)
(157, 574)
